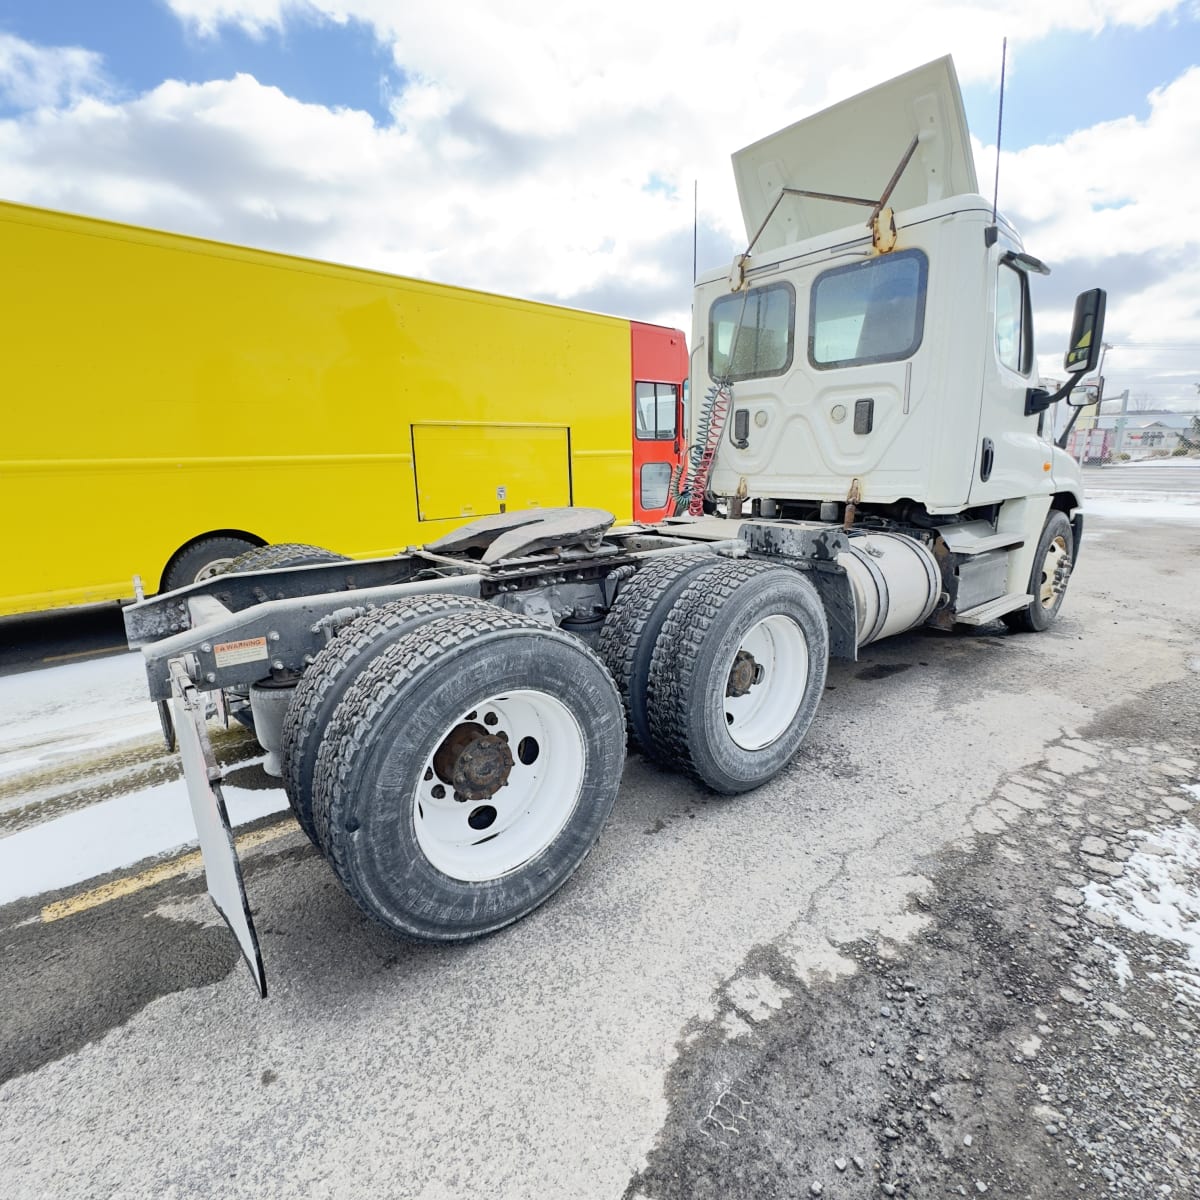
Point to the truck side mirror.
(1082, 397)
(1087, 332)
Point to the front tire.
(1052, 561)
(466, 774)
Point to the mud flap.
(222, 871)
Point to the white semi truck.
(868, 454)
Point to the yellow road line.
(51, 658)
(108, 892)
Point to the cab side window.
(656, 408)
(1014, 325)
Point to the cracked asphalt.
(912, 962)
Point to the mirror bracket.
(1038, 399)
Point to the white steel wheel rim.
(484, 837)
(1055, 553)
(779, 651)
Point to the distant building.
(1147, 432)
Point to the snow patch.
(1145, 506)
(757, 996)
(51, 715)
(114, 833)
(1159, 895)
(1120, 961)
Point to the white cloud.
(205, 17)
(1112, 204)
(35, 76)
(550, 150)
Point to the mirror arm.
(1038, 399)
(1066, 433)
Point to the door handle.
(741, 428)
(987, 459)
(864, 416)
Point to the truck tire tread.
(334, 667)
(632, 626)
(279, 555)
(1035, 617)
(189, 563)
(674, 694)
(374, 697)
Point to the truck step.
(995, 541)
(991, 610)
(978, 537)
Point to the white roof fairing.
(852, 149)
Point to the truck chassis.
(450, 724)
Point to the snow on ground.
(1159, 894)
(52, 716)
(49, 715)
(1144, 506)
(114, 833)
(1169, 461)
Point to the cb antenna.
(992, 233)
(695, 224)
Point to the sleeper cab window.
(1014, 340)
(656, 409)
(869, 311)
(751, 334)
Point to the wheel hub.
(477, 764)
(743, 675)
(1056, 570)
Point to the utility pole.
(1119, 440)
(1087, 433)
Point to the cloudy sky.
(550, 150)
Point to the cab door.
(659, 369)
(1012, 459)
(657, 445)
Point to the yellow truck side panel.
(157, 388)
(469, 471)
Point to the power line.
(1155, 345)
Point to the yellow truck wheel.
(203, 559)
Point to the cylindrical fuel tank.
(896, 583)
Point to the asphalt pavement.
(887, 969)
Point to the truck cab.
(872, 353)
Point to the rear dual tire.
(737, 673)
(466, 772)
(686, 631)
(631, 630)
(333, 670)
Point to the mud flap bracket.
(222, 870)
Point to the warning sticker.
(229, 654)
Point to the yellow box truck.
(169, 403)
